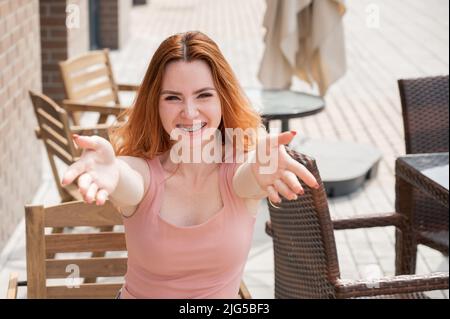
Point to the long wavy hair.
(143, 135)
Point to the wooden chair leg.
(12, 286)
(243, 291)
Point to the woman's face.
(189, 104)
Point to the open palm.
(276, 171)
(97, 169)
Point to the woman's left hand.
(276, 171)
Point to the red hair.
(143, 135)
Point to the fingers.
(284, 190)
(291, 180)
(273, 194)
(73, 172)
(302, 173)
(286, 137)
(91, 192)
(84, 181)
(102, 196)
(271, 141)
(86, 142)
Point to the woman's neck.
(193, 172)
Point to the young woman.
(188, 223)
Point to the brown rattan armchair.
(425, 111)
(306, 262)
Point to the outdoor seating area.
(369, 105)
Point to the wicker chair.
(306, 262)
(425, 111)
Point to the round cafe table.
(284, 105)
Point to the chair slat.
(90, 90)
(49, 133)
(90, 267)
(75, 214)
(98, 242)
(50, 119)
(85, 291)
(55, 150)
(90, 75)
(82, 62)
(104, 99)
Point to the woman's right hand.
(97, 169)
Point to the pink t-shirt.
(200, 261)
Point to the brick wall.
(113, 24)
(60, 43)
(20, 70)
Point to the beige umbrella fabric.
(304, 38)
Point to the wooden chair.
(38, 244)
(56, 133)
(90, 86)
(425, 111)
(306, 261)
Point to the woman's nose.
(190, 110)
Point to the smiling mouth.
(191, 128)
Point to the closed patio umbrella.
(304, 38)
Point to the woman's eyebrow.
(178, 93)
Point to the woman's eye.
(171, 98)
(204, 95)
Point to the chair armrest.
(99, 129)
(391, 285)
(74, 106)
(12, 286)
(127, 87)
(365, 221)
(368, 221)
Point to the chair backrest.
(40, 270)
(54, 130)
(89, 78)
(425, 111)
(306, 262)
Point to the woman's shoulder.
(137, 163)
